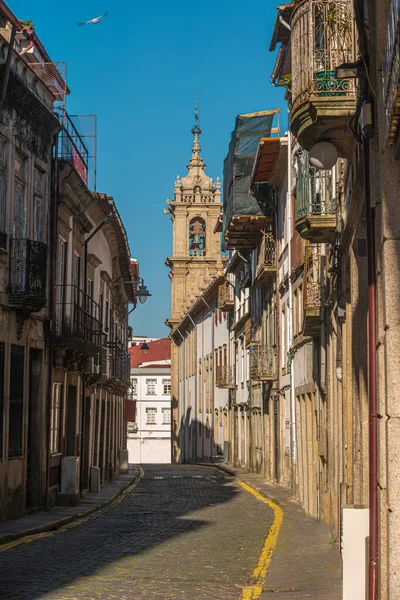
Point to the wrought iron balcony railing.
(323, 36)
(72, 148)
(313, 282)
(120, 367)
(28, 274)
(224, 376)
(266, 263)
(226, 299)
(315, 202)
(77, 315)
(262, 363)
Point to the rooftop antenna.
(196, 129)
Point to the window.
(101, 308)
(20, 208)
(16, 401)
(134, 386)
(55, 435)
(60, 272)
(76, 270)
(39, 206)
(151, 416)
(2, 347)
(90, 288)
(3, 195)
(106, 315)
(166, 386)
(166, 416)
(151, 386)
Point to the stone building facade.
(27, 129)
(90, 378)
(66, 279)
(202, 341)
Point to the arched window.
(197, 237)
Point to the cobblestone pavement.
(185, 532)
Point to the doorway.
(86, 444)
(35, 429)
(71, 421)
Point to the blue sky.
(140, 70)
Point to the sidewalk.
(304, 565)
(41, 521)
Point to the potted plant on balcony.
(27, 26)
(286, 82)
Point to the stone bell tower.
(196, 258)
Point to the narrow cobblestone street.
(183, 532)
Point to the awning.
(267, 154)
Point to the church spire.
(196, 160)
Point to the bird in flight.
(95, 20)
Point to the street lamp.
(323, 155)
(142, 293)
(144, 347)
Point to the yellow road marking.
(95, 513)
(259, 574)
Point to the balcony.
(32, 86)
(245, 215)
(391, 77)
(266, 263)
(77, 320)
(242, 314)
(72, 148)
(226, 299)
(224, 377)
(262, 363)
(313, 280)
(315, 204)
(120, 365)
(28, 274)
(322, 38)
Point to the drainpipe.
(322, 368)
(8, 64)
(52, 296)
(293, 362)
(373, 420)
(322, 371)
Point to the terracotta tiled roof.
(158, 350)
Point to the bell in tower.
(197, 235)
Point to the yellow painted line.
(257, 579)
(93, 513)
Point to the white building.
(149, 437)
(205, 377)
